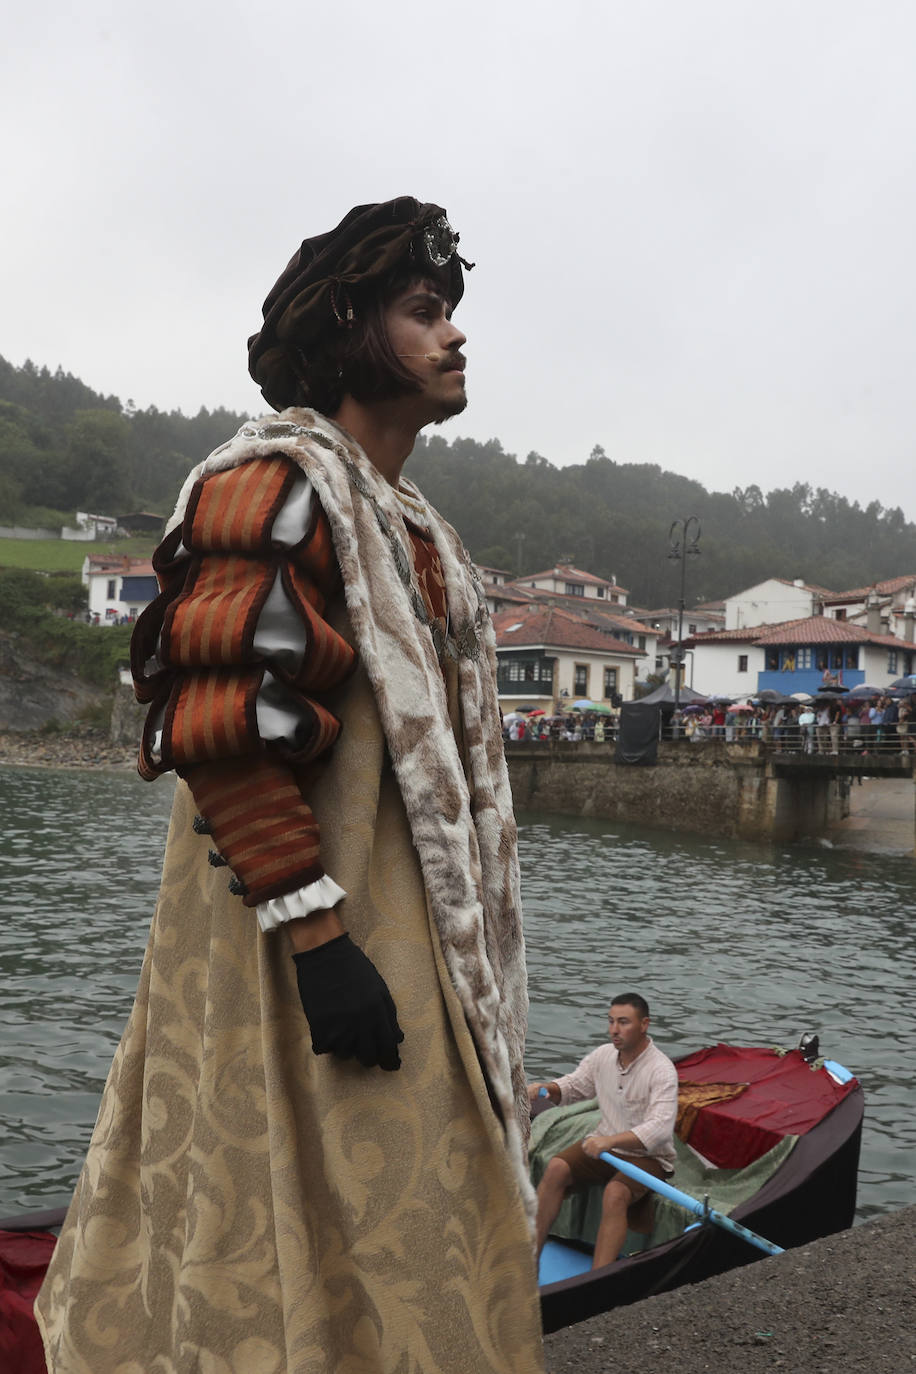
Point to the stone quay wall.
(709, 788)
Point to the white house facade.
(772, 602)
(726, 664)
(565, 580)
(118, 587)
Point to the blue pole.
(699, 1209)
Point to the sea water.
(727, 941)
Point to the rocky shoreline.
(80, 747)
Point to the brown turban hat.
(316, 291)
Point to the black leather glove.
(347, 1004)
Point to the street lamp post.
(683, 543)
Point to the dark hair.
(358, 360)
(632, 999)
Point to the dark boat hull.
(813, 1194)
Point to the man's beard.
(450, 408)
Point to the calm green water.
(727, 941)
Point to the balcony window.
(610, 682)
(742, 663)
(574, 589)
(580, 679)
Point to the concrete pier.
(844, 1303)
(742, 790)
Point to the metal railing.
(849, 739)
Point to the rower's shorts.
(587, 1171)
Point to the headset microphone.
(430, 357)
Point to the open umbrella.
(739, 709)
(906, 682)
(802, 696)
(863, 692)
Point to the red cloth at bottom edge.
(24, 1259)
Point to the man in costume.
(317, 1163)
(637, 1091)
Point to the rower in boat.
(637, 1090)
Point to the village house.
(494, 577)
(548, 658)
(773, 602)
(883, 607)
(565, 580)
(119, 587)
(801, 655)
(600, 603)
(665, 621)
(90, 527)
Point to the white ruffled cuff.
(321, 894)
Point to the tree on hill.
(65, 446)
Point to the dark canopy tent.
(664, 696)
(640, 723)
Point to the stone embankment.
(78, 747)
(844, 1303)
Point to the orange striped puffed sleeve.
(233, 657)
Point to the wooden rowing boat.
(787, 1147)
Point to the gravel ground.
(79, 747)
(847, 1302)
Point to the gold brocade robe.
(249, 1208)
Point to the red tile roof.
(583, 607)
(551, 627)
(821, 629)
(748, 634)
(812, 629)
(887, 588)
(574, 574)
(805, 586)
(102, 563)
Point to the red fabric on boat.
(24, 1257)
(785, 1096)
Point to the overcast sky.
(693, 222)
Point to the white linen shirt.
(641, 1098)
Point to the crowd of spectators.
(883, 723)
(824, 725)
(593, 726)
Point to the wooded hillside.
(64, 446)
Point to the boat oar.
(699, 1209)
